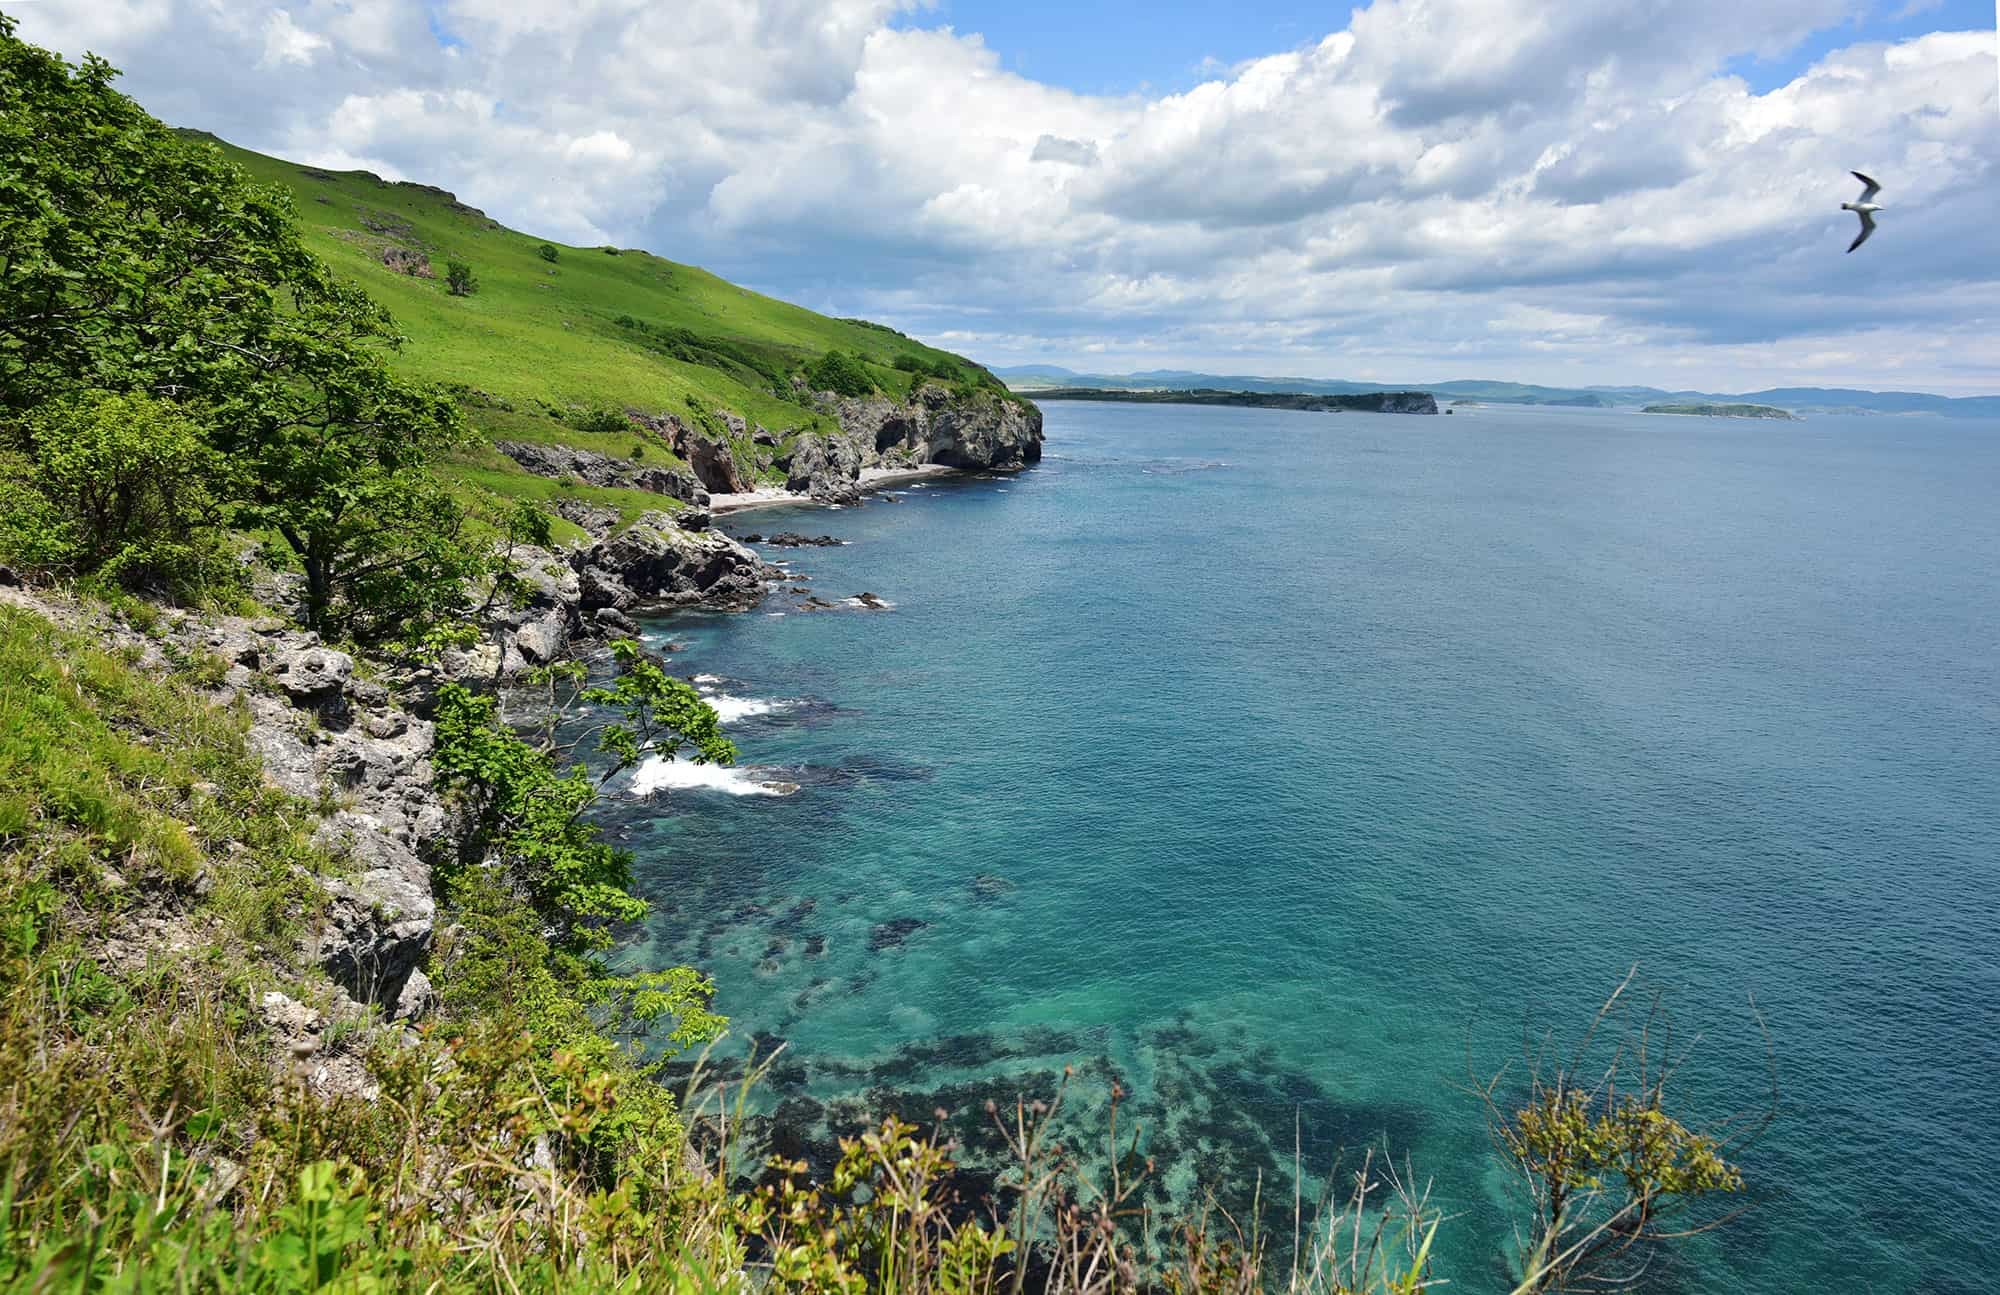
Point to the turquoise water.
(1298, 767)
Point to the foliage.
(547, 251)
(122, 487)
(840, 373)
(134, 259)
(458, 277)
(1611, 1173)
(141, 261)
(601, 420)
(525, 811)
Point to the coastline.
(871, 480)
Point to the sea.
(1297, 784)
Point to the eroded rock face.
(715, 463)
(828, 468)
(983, 432)
(654, 564)
(562, 462)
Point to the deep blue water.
(1300, 766)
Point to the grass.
(540, 337)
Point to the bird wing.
(1867, 228)
(1868, 193)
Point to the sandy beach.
(872, 479)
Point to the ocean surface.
(1296, 771)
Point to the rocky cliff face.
(983, 432)
(561, 462)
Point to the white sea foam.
(731, 709)
(655, 774)
(708, 678)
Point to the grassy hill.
(541, 344)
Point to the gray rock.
(541, 641)
(379, 920)
(614, 621)
(654, 563)
(715, 464)
(561, 462)
(313, 675)
(828, 468)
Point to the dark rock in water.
(744, 912)
(754, 537)
(801, 589)
(797, 914)
(871, 601)
(655, 564)
(892, 934)
(673, 647)
(815, 946)
(794, 540)
(989, 886)
(616, 621)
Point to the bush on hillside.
(458, 277)
(124, 488)
(601, 419)
(840, 373)
(547, 252)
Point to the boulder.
(379, 920)
(655, 564)
(714, 463)
(312, 675)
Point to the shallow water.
(1294, 767)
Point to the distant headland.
(1375, 402)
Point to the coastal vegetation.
(246, 517)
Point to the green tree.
(525, 807)
(459, 279)
(547, 252)
(133, 259)
(130, 257)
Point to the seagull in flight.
(1865, 207)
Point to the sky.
(1616, 192)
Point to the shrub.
(547, 252)
(601, 419)
(459, 278)
(121, 487)
(840, 373)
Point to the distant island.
(1036, 378)
(1725, 411)
(1372, 402)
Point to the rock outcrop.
(654, 565)
(562, 462)
(983, 432)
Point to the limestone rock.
(312, 675)
(654, 563)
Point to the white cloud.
(285, 43)
(1565, 192)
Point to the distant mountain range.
(1029, 377)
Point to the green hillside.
(540, 344)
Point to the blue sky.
(1572, 192)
